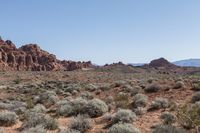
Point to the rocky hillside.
(32, 57)
(161, 63)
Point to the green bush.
(123, 128)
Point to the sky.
(105, 31)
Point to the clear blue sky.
(105, 31)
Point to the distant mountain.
(188, 63)
(137, 64)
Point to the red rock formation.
(32, 57)
(161, 63)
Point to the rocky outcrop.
(31, 57)
(161, 63)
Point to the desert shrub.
(119, 83)
(33, 119)
(39, 108)
(50, 123)
(78, 106)
(69, 131)
(91, 87)
(159, 103)
(81, 123)
(140, 111)
(179, 84)
(127, 88)
(168, 129)
(109, 100)
(124, 116)
(196, 97)
(72, 87)
(87, 95)
(107, 117)
(14, 106)
(5, 106)
(196, 86)
(189, 116)
(122, 100)
(37, 129)
(123, 128)
(17, 80)
(168, 118)
(65, 108)
(150, 80)
(72, 107)
(8, 118)
(104, 86)
(152, 88)
(96, 108)
(47, 98)
(140, 100)
(135, 90)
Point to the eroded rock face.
(31, 57)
